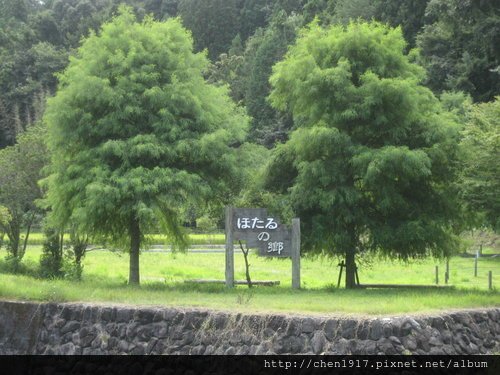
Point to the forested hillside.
(458, 44)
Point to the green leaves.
(136, 132)
(369, 164)
(459, 47)
(20, 169)
(370, 93)
(480, 173)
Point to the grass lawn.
(163, 276)
(37, 238)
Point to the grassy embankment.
(163, 275)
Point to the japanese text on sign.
(261, 231)
(275, 247)
(256, 223)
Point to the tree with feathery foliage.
(369, 164)
(136, 133)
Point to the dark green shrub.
(51, 260)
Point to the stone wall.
(49, 328)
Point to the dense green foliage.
(457, 41)
(20, 169)
(214, 23)
(268, 125)
(136, 133)
(369, 165)
(51, 260)
(460, 47)
(480, 173)
(27, 65)
(410, 15)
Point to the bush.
(14, 265)
(51, 261)
(72, 267)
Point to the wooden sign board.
(262, 231)
(258, 229)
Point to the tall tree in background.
(480, 172)
(136, 134)
(76, 18)
(254, 14)
(408, 14)
(161, 9)
(27, 67)
(20, 169)
(461, 47)
(268, 125)
(370, 162)
(214, 23)
(346, 11)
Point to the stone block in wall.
(160, 329)
(330, 328)
(144, 316)
(293, 328)
(366, 347)
(376, 330)
(318, 342)
(409, 325)
(275, 322)
(198, 350)
(144, 332)
(124, 315)
(107, 314)
(243, 350)
(348, 328)
(70, 326)
(308, 325)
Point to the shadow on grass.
(13, 266)
(157, 286)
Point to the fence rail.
(472, 273)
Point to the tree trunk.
(135, 243)
(14, 238)
(27, 235)
(247, 266)
(350, 262)
(350, 269)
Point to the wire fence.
(477, 272)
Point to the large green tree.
(369, 165)
(480, 172)
(20, 169)
(136, 133)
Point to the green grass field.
(163, 276)
(37, 238)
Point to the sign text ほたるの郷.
(260, 230)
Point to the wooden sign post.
(264, 232)
(296, 253)
(229, 248)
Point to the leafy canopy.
(480, 172)
(136, 132)
(20, 169)
(460, 48)
(368, 166)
